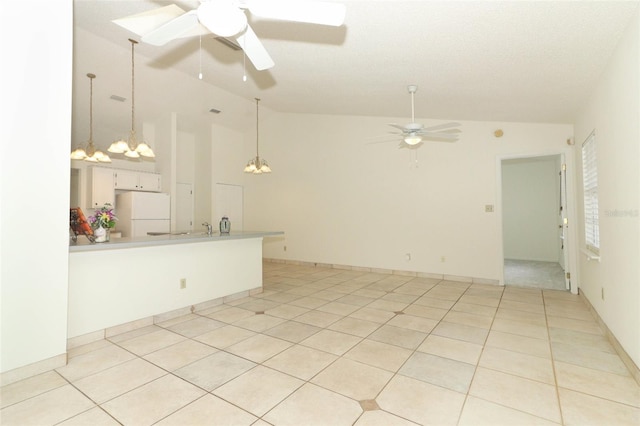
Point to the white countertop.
(83, 244)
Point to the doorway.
(534, 213)
(184, 207)
(230, 203)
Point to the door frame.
(570, 254)
(191, 205)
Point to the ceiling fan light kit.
(90, 153)
(227, 18)
(222, 18)
(414, 133)
(412, 139)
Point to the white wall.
(614, 112)
(341, 201)
(36, 105)
(530, 208)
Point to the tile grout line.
(553, 361)
(475, 370)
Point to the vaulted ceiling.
(529, 61)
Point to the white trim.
(571, 236)
(589, 157)
(590, 255)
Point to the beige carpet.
(530, 273)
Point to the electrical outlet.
(443, 259)
(285, 248)
(488, 208)
(183, 283)
(408, 257)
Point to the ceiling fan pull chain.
(244, 61)
(244, 67)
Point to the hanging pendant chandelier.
(131, 148)
(257, 165)
(90, 153)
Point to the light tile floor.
(334, 347)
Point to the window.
(590, 184)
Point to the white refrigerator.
(142, 212)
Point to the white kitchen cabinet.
(150, 182)
(131, 180)
(100, 185)
(125, 179)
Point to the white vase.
(100, 234)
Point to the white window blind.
(590, 184)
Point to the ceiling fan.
(227, 18)
(415, 133)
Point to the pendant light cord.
(91, 77)
(133, 103)
(257, 130)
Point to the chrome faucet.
(209, 228)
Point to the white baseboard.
(457, 278)
(34, 369)
(624, 356)
(145, 322)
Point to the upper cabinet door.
(149, 182)
(101, 182)
(126, 179)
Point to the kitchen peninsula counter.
(83, 244)
(135, 282)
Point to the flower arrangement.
(103, 217)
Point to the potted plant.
(102, 222)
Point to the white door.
(184, 207)
(229, 203)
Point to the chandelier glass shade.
(90, 153)
(131, 148)
(257, 165)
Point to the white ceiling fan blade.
(172, 29)
(309, 11)
(255, 51)
(145, 22)
(439, 137)
(384, 141)
(198, 30)
(397, 126)
(442, 126)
